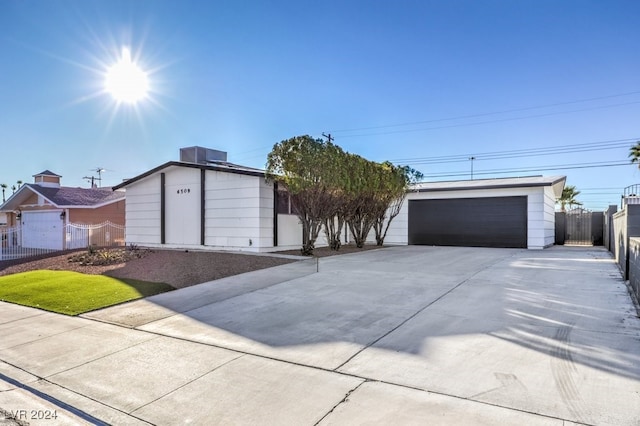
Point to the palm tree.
(634, 153)
(13, 188)
(568, 197)
(4, 187)
(19, 183)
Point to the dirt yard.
(178, 268)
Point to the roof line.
(190, 165)
(93, 206)
(34, 189)
(496, 186)
(30, 187)
(492, 179)
(41, 194)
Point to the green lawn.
(73, 293)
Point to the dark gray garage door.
(473, 222)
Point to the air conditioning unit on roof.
(201, 155)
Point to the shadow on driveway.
(551, 332)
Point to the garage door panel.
(42, 230)
(478, 222)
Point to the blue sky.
(406, 81)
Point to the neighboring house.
(41, 210)
(203, 201)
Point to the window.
(284, 203)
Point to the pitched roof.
(64, 197)
(47, 173)
(76, 197)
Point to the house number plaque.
(183, 191)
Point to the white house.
(203, 201)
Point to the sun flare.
(125, 81)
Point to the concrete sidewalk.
(406, 335)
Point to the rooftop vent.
(200, 155)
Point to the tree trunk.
(377, 226)
(360, 224)
(310, 231)
(333, 230)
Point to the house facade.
(203, 201)
(38, 213)
(213, 204)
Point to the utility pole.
(472, 158)
(98, 170)
(329, 137)
(91, 179)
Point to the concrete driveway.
(405, 335)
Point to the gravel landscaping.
(326, 251)
(178, 268)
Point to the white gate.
(105, 234)
(13, 242)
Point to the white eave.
(557, 182)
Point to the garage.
(501, 212)
(42, 229)
(473, 222)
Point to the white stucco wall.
(549, 217)
(289, 231)
(540, 212)
(142, 211)
(238, 212)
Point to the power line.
(569, 149)
(589, 194)
(460, 117)
(530, 169)
(528, 150)
(486, 122)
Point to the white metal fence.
(106, 234)
(14, 244)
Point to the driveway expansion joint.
(419, 311)
(52, 400)
(101, 357)
(186, 384)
